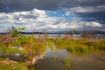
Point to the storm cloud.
(11, 5)
(88, 14)
(80, 7)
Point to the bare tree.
(45, 34)
(89, 34)
(11, 29)
(66, 35)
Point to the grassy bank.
(10, 50)
(80, 45)
(6, 64)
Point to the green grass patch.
(9, 50)
(67, 62)
(6, 64)
(79, 45)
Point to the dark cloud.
(19, 5)
(97, 16)
(53, 5)
(10, 5)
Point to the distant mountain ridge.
(60, 32)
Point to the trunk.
(34, 60)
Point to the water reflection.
(61, 59)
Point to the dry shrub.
(6, 39)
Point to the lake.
(60, 36)
(55, 60)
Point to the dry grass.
(6, 64)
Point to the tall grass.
(67, 63)
(80, 45)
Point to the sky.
(52, 15)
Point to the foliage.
(15, 33)
(32, 47)
(73, 31)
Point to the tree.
(89, 34)
(33, 47)
(11, 29)
(16, 32)
(66, 35)
(73, 32)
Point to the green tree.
(73, 32)
(34, 48)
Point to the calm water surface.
(75, 36)
(55, 60)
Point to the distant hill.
(60, 32)
(80, 32)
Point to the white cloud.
(85, 0)
(23, 17)
(88, 9)
(68, 13)
(38, 20)
(82, 9)
(94, 24)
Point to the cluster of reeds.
(80, 45)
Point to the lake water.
(75, 36)
(55, 60)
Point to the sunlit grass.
(9, 50)
(80, 45)
(6, 64)
(78, 48)
(67, 63)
